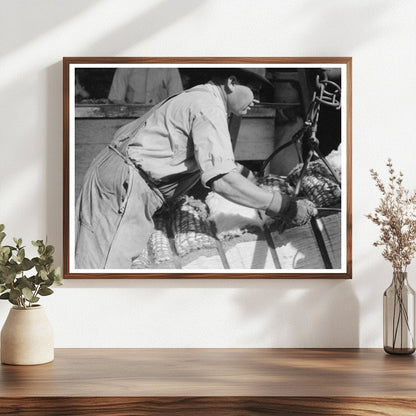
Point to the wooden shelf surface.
(231, 381)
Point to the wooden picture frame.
(321, 249)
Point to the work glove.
(292, 212)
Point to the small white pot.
(27, 337)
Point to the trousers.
(113, 214)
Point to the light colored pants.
(113, 214)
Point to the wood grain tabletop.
(202, 379)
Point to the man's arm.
(236, 188)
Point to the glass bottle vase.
(399, 316)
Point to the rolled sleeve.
(212, 144)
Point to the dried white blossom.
(396, 217)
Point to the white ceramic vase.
(27, 337)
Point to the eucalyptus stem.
(36, 291)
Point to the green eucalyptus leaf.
(24, 282)
(51, 282)
(5, 250)
(38, 280)
(2, 227)
(45, 291)
(27, 293)
(37, 243)
(43, 275)
(55, 274)
(48, 261)
(6, 296)
(2, 236)
(4, 254)
(13, 267)
(14, 302)
(49, 250)
(3, 273)
(58, 276)
(18, 242)
(26, 264)
(21, 255)
(9, 277)
(2, 288)
(15, 294)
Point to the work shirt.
(149, 161)
(186, 134)
(144, 85)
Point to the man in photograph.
(159, 157)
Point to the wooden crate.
(265, 249)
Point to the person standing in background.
(144, 85)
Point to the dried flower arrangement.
(396, 217)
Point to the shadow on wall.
(287, 313)
(54, 146)
(352, 23)
(45, 16)
(301, 313)
(162, 15)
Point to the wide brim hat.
(244, 75)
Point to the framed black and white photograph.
(207, 167)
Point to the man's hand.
(299, 212)
(291, 211)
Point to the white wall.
(380, 36)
